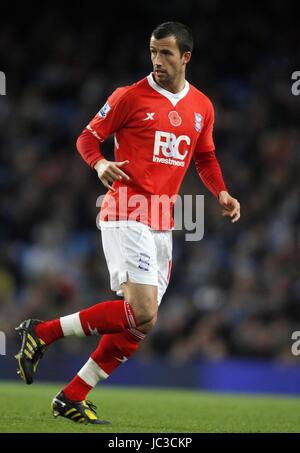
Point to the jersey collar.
(173, 97)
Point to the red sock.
(104, 317)
(108, 317)
(115, 349)
(77, 389)
(49, 331)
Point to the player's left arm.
(210, 171)
(231, 206)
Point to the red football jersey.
(158, 132)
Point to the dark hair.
(181, 32)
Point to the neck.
(174, 86)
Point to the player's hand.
(231, 206)
(109, 171)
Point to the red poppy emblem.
(174, 118)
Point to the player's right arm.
(110, 171)
(108, 120)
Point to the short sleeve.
(112, 116)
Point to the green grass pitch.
(136, 410)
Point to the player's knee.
(147, 313)
(150, 324)
(146, 327)
(145, 310)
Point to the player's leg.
(135, 259)
(105, 317)
(112, 351)
(115, 349)
(143, 300)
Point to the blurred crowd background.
(236, 293)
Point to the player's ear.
(186, 57)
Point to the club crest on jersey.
(104, 111)
(198, 121)
(174, 118)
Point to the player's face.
(168, 64)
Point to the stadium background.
(234, 298)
